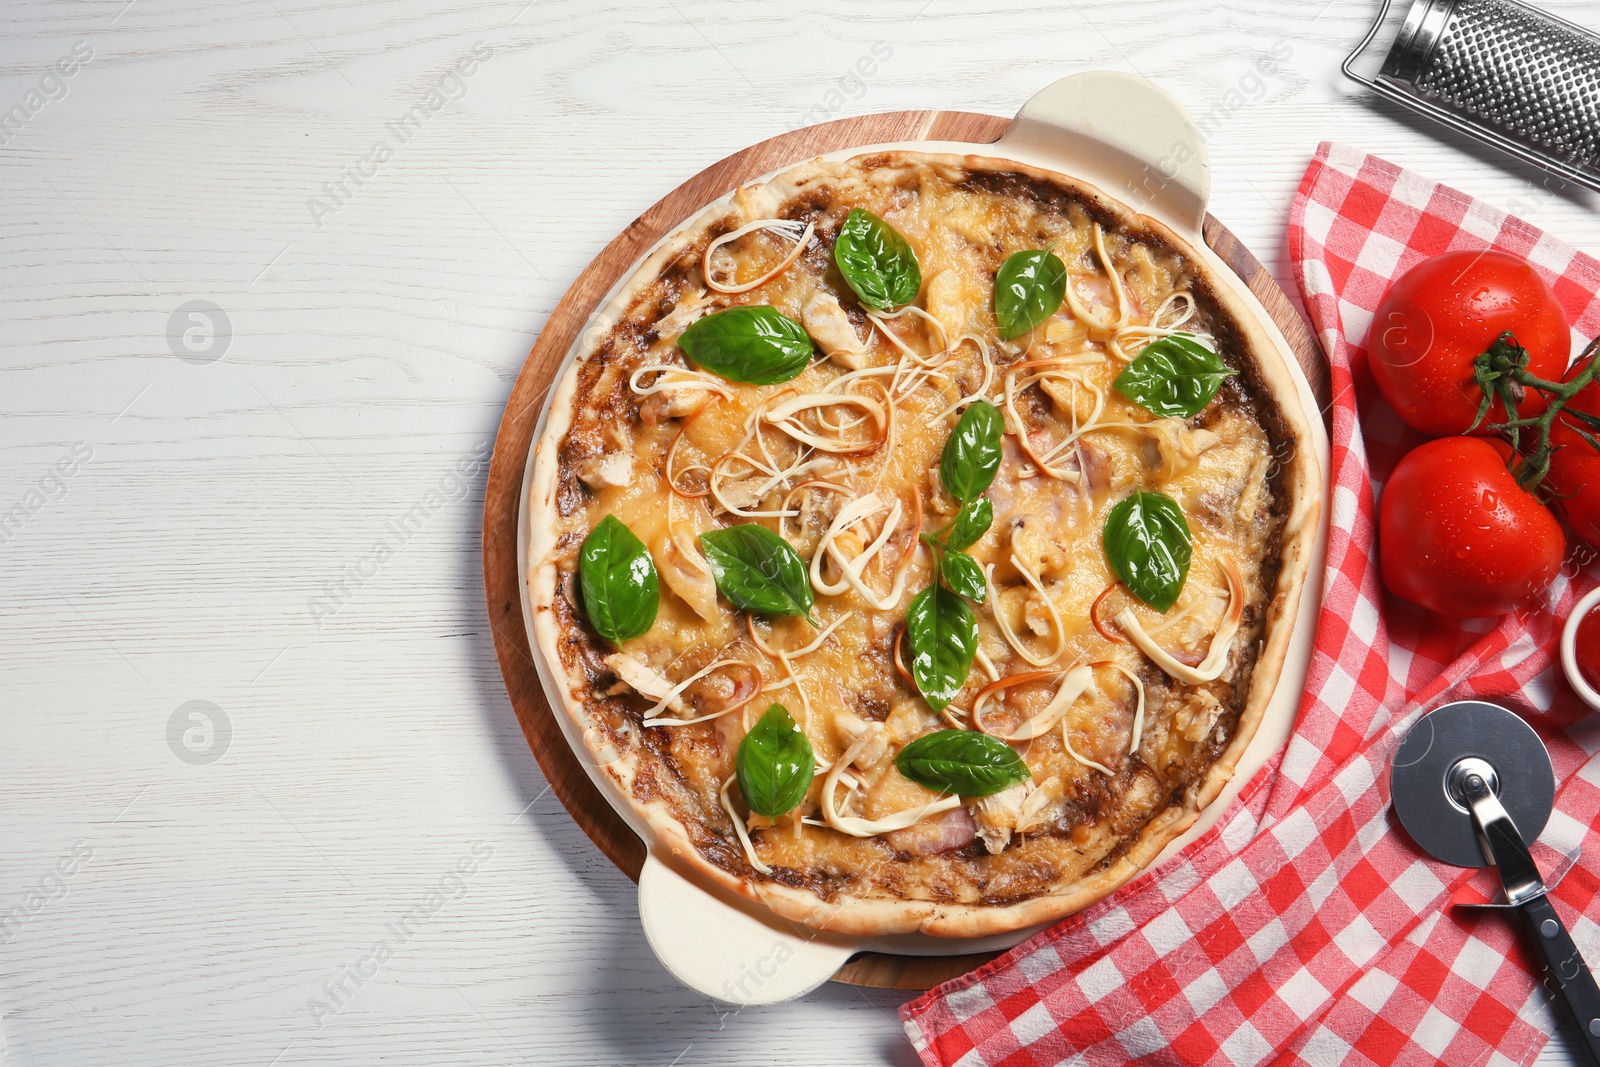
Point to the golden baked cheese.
(806, 406)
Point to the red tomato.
(1440, 315)
(1574, 478)
(1457, 535)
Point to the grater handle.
(1349, 60)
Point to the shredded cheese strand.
(689, 379)
(857, 565)
(1078, 681)
(1049, 604)
(1081, 313)
(887, 453)
(1084, 358)
(672, 452)
(1078, 429)
(786, 227)
(850, 376)
(856, 827)
(1024, 440)
(821, 637)
(785, 512)
(853, 512)
(987, 664)
(783, 418)
(1138, 712)
(1155, 329)
(879, 318)
(926, 365)
(717, 484)
(738, 828)
(717, 481)
(1066, 742)
(653, 717)
(1010, 635)
(787, 658)
(805, 698)
(1074, 683)
(1210, 668)
(988, 377)
(851, 570)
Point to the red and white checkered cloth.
(1307, 928)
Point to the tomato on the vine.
(1440, 316)
(1574, 478)
(1459, 536)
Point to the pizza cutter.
(1473, 785)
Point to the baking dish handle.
(725, 947)
(1126, 135)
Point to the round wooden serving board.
(567, 778)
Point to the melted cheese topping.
(843, 462)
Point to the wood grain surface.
(376, 336)
(567, 778)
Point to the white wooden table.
(273, 507)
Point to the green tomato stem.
(1501, 371)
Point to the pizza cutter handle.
(1567, 978)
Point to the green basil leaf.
(775, 764)
(1148, 543)
(1028, 288)
(972, 452)
(876, 261)
(1174, 375)
(752, 343)
(964, 762)
(617, 580)
(972, 522)
(944, 638)
(963, 575)
(757, 570)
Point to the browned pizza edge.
(1301, 477)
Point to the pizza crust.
(865, 916)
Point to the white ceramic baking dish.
(1136, 143)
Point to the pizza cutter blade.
(1472, 784)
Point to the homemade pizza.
(916, 541)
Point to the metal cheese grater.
(1508, 74)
